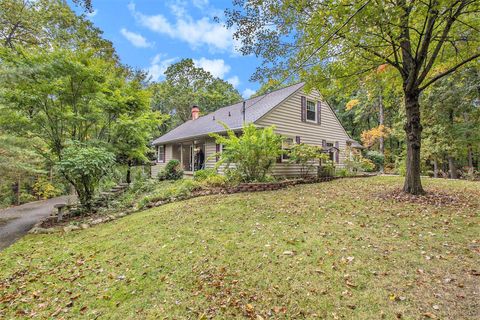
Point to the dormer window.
(311, 111)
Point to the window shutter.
(297, 139)
(337, 153)
(164, 153)
(303, 108)
(217, 150)
(324, 143)
(319, 112)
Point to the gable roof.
(231, 115)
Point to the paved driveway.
(15, 222)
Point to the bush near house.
(172, 171)
(355, 162)
(254, 152)
(308, 157)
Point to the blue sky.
(152, 34)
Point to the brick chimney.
(195, 112)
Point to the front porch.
(191, 154)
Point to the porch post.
(181, 156)
(192, 156)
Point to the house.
(299, 116)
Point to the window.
(161, 154)
(330, 152)
(311, 111)
(286, 146)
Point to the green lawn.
(329, 250)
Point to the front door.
(199, 156)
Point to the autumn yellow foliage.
(369, 137)
(351, 104)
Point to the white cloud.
(196, 33)
(92, 14)
(247, 93)
(136, 39)
(159, 66)
(217, 67)
(235, 81)
(201, 4)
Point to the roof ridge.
(245, 100)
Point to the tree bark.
(129, 172)
(413, 131)
(435, 168)
(381, 120)
(451, 168)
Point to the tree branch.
(442, 74)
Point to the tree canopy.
(334, 41)
(186, 85)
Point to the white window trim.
(315, 110)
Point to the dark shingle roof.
(231, 115)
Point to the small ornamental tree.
(253, 153)
(84, 167)
(307, 156)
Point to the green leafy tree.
(451, 121)
(133, 129)
(253, 153)
(84, 166)
(47, 24)
(325, 41)
(186, 85)
(308, 157)
(18, 161)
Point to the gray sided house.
(298, 116)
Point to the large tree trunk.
(451, 168)
(435, 168)
(381, 120)
(413, 130)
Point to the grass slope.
(329, 250)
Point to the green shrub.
(172, 171)
(253, 153)
(308, 157)
(376, 157)
(26, 197)
(233, 176)
(201, 175)
(355, 162)
(342, 172)
(177, 189)
(401, 166)
(84, 167)
(215, 181)
(45, 190)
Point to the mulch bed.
(432, 198)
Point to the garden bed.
(75, 222)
